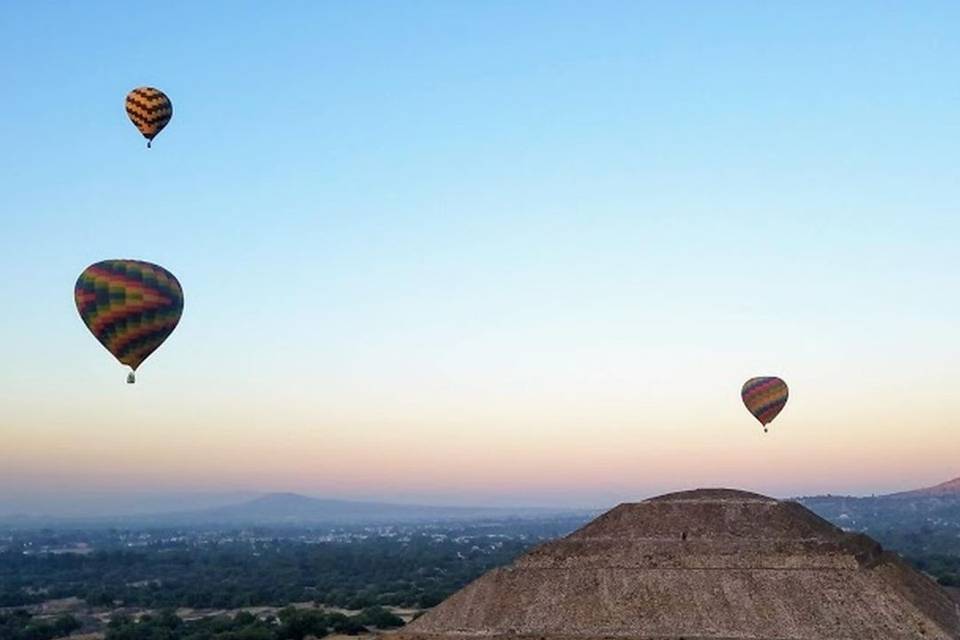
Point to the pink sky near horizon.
(539, 447)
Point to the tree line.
(21, 625)
(418, 572)
(288, 624)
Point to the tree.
(350, 627)
(66, 624)
(244, 619)
(430, 599)
(380, 618)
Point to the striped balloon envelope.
(150, 110)
(764, 397)
(130, 306)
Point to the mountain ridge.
(289, 508)
(950, 488)
(296, 506)
(918, 523)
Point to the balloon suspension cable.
(131, 378)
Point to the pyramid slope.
(715, 563)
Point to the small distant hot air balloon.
(764, 397)
(150, 110)
(129, 306)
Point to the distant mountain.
(117, 503)
(293, 508)
(923, 519)
(948, 489)
(290, 509)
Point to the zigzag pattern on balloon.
(130, 306)
(149, 109)
(764, 397)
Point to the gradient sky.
(486, 252)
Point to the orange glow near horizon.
(576, 449)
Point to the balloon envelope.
(150, 110)
(764, 397)
(129, 306)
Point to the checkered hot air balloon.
(150, 110)
(130, 306)
(764, 397)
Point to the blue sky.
(459, 223)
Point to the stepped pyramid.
(710, 563)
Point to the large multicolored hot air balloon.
(150, 110)
(764, 397)
(129, 306)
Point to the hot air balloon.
(129, 306)
(150, 110)
(764, 397)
